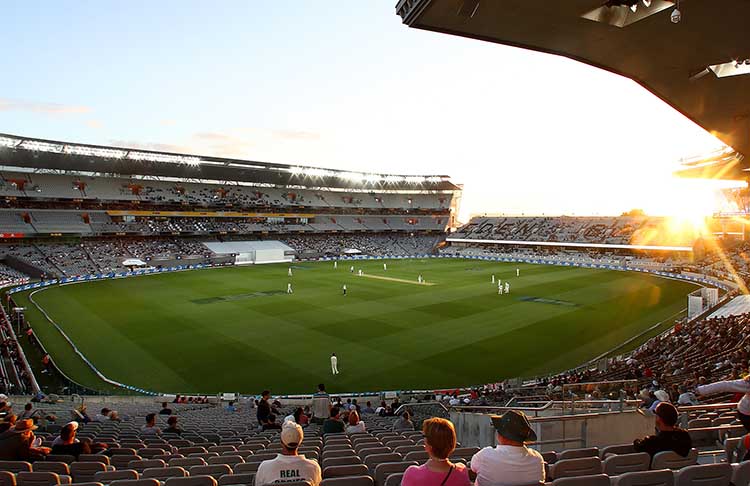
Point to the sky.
(345, 85)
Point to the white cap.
(72, 424)
(292, 435)
(661, 395)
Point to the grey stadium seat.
(341, 461)
(394, 479)
(214, 470)
(52, 466)
(616, 449)
(15, 466)
(584, 466)
(7, 478)
(135, 482)
(672, 460)
(242, 479)
(347, 470)
(593, 480)
(615, 465)
(662, 477)
(741, 474)
(704, 475)
(83, 472)
(143, 464)
(372, 461)
(578, 453)
(162, 473)
(107, 477)
(25, 478)
(191, 481)
(339, 453)
(385, 469)
(348, 481)
(187, 461)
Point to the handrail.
(420, 404)
(34, 384)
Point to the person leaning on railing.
(732, 386)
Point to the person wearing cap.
(661, 397)
(439, 443)
(289, 466)
(669, 437)
(67, 443)
(510, 463)
(16, 444)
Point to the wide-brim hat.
(24, 425)
(514, 425)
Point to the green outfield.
(235, 329)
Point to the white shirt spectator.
(734, 386)
(150, 430)
(687, 398)
(356, 429)
(321, 405)
(285, 469)
(289, 418)
(506, 465)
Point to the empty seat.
(584, 466)
(661, 477)
(107, 477)
(347, 470)
(15, 466)
(243, 479)
(214, 470)
(263, 457)
(550, 457)
(578, 453)
(373, 450)
(83, 472)
(593, 480)
(704, 475)
(385, 469)
(192, 450)
(341, 453)
(94, 458)
(616, 449)
(135, 482)
(191, 481)
(26, 478)
(222, 448)
(394, 479)
(248, 467)
(741, 474)
(615, 465)
(66, 458)
(672, 460)
(162, 473)
(143, 464)
(52, 466)
(231, 460)
(372, 461)
(7, 478)
(341, 461)
(348, 481)
(419, 456)
(187, 461)
(122, 461)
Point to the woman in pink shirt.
(439, 442)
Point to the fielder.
(289, 272)
(420, 279)
(334, 362)
(343, 289)
(351, 269)
(359, 272)
(335, 264)
(507, 288)
(493, 279)
(289, 289)
(518, 272)
(385, 267)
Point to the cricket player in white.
(289, 289)
(385, 267)
(499, 290)
(289, 272)
(334, 362)
(335, 264)
(507, 288)
(359, 272)
(351, 269)
(493, 279)
(420, 279)
(518, 272)
(344, 289)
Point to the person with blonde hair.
(356, 426)
(439, 443)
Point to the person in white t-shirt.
(334, 364)
(510, 463)
(289, 466)
(732, 386)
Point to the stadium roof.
(695, 65)
(39, 154)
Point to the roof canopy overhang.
(675, 61)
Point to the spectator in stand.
(669, 437)
(271, 423)
(289, 466)
(510, 463)
(230, 407)
(16, 444)
(321, 405)
(661, 397)
(67, 443)
(686, 397)
(102, 416)
(368, 408)
(30, 413)
(333, 425)
(733, 386)
(150, 427)
(356, 426)
(8, 422)
(304, 416)
(165, 410)
(80, 414)
(264, 408)
(404, 423)
(172, 427)
(439, 443)
(176, 399)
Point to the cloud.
(222, 144)
(158, 147)
(295, 135)
(40, 107)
